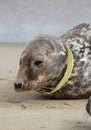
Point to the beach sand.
(30, 110)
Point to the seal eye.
(38, 63)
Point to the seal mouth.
(22, 89)
(19, 90)
(19, 87)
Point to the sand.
(30, 110)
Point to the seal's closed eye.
(38, 63)
(20, 63)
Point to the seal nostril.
(17, 85)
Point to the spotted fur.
(79, 39)
(79, 84)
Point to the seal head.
(42, 64)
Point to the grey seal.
(43, 64)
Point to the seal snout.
(18, 85)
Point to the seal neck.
(70, 63)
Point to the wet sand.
(30, 110)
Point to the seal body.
(43, 64)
